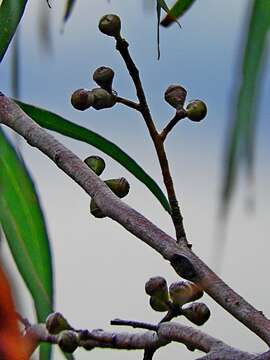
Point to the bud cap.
(175, 95)
(196, 110)
(103, 76)
(110, 25)
(96, 163)
(81, 99)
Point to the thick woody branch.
(165, 333)
(183, 260)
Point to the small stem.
(179, 115)
(134, 324)
(128, 103)
(122, 47)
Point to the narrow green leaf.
(11, 12)
(240, 143)
(57, 123)
(176, 11)
(23, 224)
(68, 10)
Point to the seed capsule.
(196, 110)
(96, 163)
(102, 99)
(68, 341)
(197, 313)
(82, 99)
(103, 76)
(175, 95)
(119, 186)
(55, 323)
(110, 25)
(184, 291)
(157, 288)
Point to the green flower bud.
(175, 95)
(95, 210)
(82, 99)
(96, 163)
(158, 305)
(55, 323)
(120, 187)
(196, 110)
(184, 291)
(110, 25)
(197, 313)
(103, 76)
(102, 99)
(68, 341)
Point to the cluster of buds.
(98, 98)
(177, 295)
(120, 187)
(175, 95)
(104, 96)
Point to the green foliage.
(23, 224)
(240, 144)
(11, 12)
(57, 123)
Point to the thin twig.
(128, 103)
(134, 324)
(179, 115)
(177, 218)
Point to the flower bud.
(96, 163)
(157, 288)
(184, 291)
(158, 305)
(103, 76)
(55, 323)
(175, 95)
(196, 110)
(68, 341)
(102, 99)
(82, 99)
(197, 313)
(120, 187)
(110, 25)
(96, 211)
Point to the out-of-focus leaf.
(57, 123)
(24, 226)
(11, 12)
(68, 10)
(176, 11)
(240, 142)
(12, 346)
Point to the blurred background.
(100, 269)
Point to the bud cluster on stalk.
(120, 186)
(175, 95)
(180, 294)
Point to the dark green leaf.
(69, 7)
(240, 144)
(23, 224)
(177, 10)
(56, 123)
(11, 12)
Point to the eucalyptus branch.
(182, 259)
(150, 341)
(122, 47)
(128, 103)
(179, 115)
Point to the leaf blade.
(57, 123)
(176, 11)
(11, 12)
(240, 142)
(24, 226)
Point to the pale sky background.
(100, 269)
